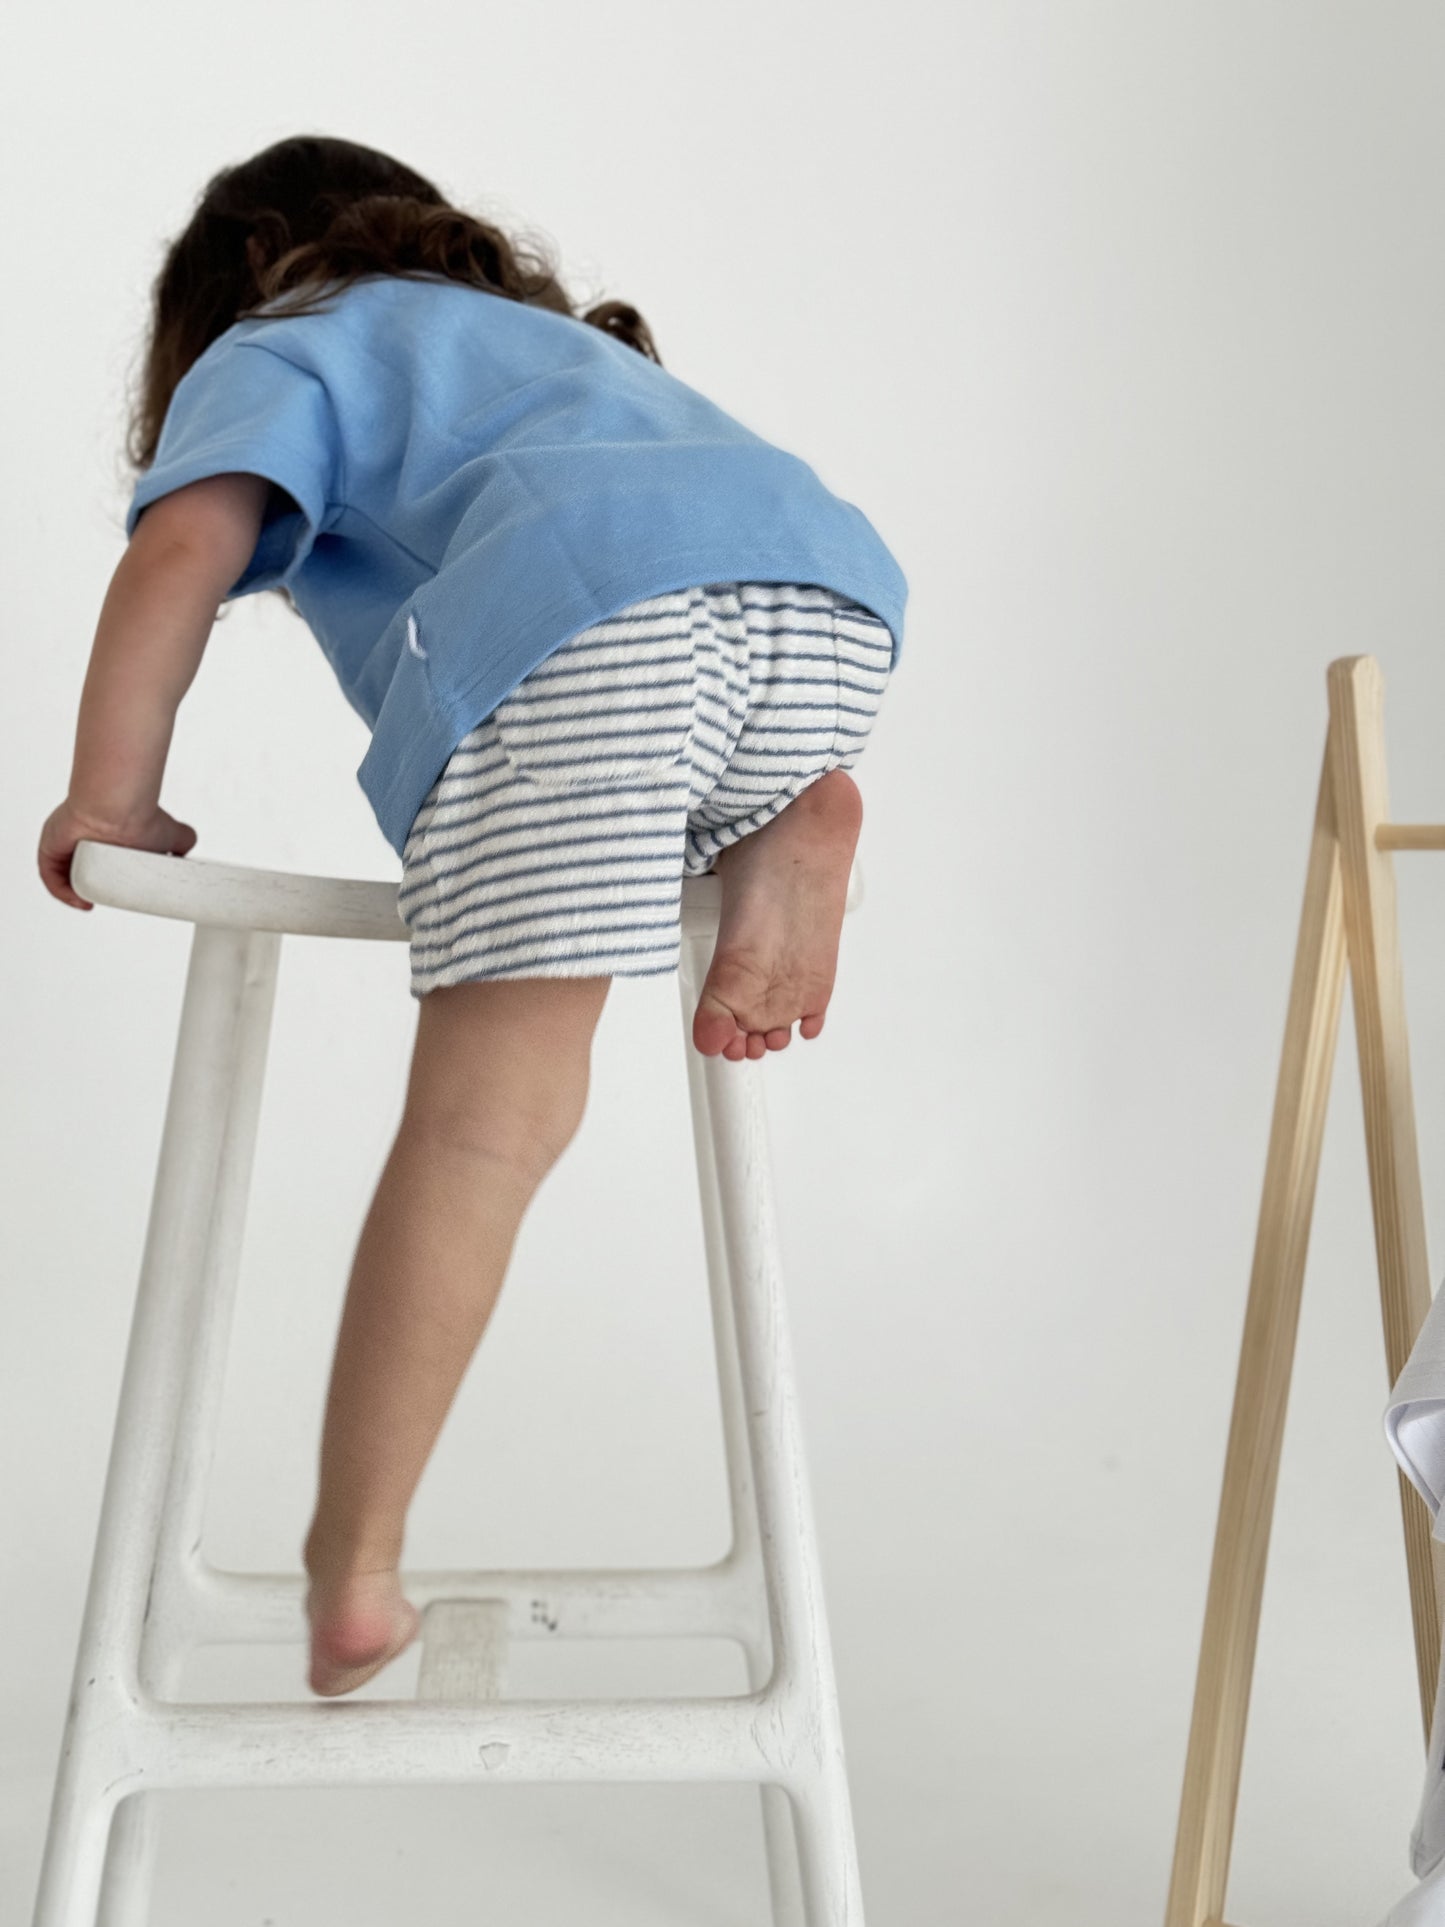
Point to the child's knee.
(522, 1141)
(546, 1120)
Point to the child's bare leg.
(497, 1088)
(784, 888)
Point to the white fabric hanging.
(1415, 1432)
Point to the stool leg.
(129, 1873)
(784, 1874)
(783, 1877)
(815, 1777)
(187, 1270)
(825, 1851)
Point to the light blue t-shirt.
(474, 481)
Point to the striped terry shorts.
(555, 841)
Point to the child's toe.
(714, 1027)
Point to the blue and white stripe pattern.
(555, 841)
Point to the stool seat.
(237, 896)
(154, 1595)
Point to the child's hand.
(67, 826)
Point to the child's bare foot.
(359, 1622)
(784, 888)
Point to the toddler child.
(603, 636)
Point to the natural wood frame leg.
(1377, 981)
(1348, 917)
(1251, 1467)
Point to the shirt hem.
(415, 733)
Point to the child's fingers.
(55, 875)
(180, 837)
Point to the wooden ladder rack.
(1348, 921)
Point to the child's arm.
(188, 548)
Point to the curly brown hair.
(302, 220)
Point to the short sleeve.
(242, 407)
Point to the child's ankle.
(331, 1555)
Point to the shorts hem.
(600, 966)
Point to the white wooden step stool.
(153, 1595)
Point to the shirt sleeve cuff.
(285, 539)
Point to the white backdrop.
(1122, 322)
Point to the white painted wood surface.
(153, 1595)
(463, 1649)
(234, 896)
